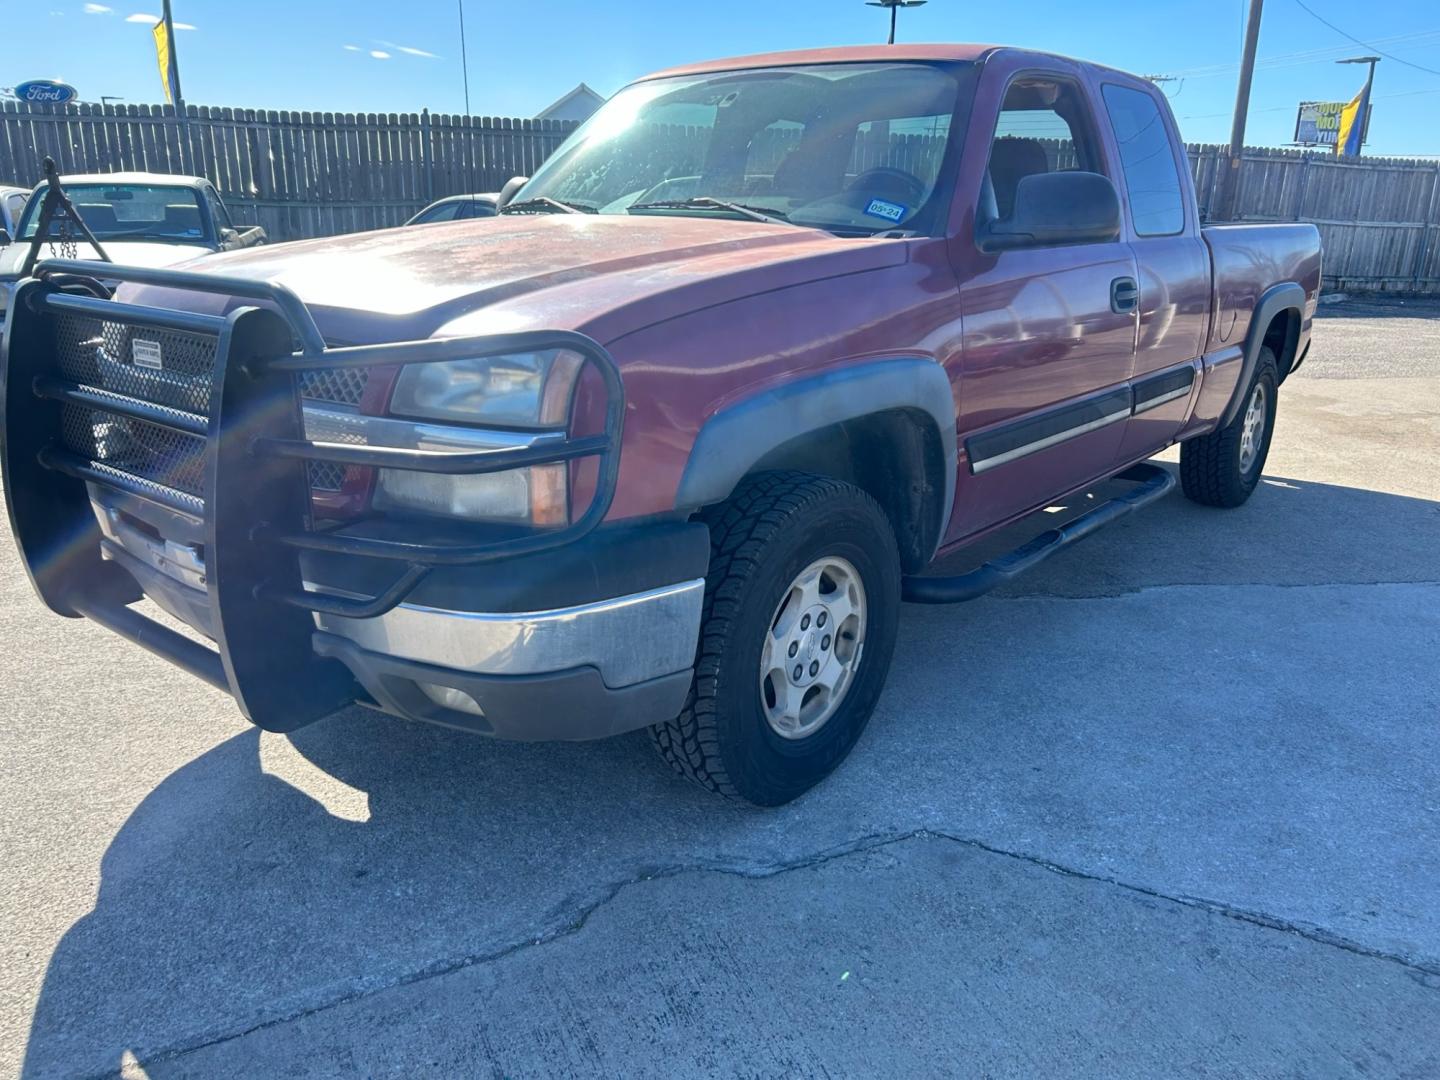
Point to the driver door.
(1046, 348)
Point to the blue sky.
(389, 56)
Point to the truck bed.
(1248, 259)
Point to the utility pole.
(464, 62)
(894, 6)
(1230, 179)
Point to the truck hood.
(605, 275)
(125, 254)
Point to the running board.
(1153, 482)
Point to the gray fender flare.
(733, 440)
(1272, 302)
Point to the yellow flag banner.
(1352, 125)
(162, 57)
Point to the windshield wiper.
(774, 217)
(543, 204)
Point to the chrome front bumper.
(576, 672)
(627, 639)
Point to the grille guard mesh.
(215, 433)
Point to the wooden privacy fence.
(298, 174)
(1379, 218)
(305, 174)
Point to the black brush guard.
(256, 505)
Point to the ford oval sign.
(45, 92)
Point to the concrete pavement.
(1167, 806)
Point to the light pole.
(1363, 119)
(894, 6)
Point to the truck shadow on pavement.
(271, 877)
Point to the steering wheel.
(885, 178)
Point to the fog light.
(450, 698)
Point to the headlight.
(521, 389)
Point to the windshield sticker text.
(888, 210)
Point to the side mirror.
(229, 235)
(514, 184)
(1057, 208)
(4, 236)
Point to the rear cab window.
(1152, 180)
(152, 213)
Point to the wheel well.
(1282, 337)
(895, 457)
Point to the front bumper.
(601, 661)
(569, 632)
(574, 704)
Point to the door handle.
(1124, 295)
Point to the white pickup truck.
(142, 219)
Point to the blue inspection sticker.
(888, 210)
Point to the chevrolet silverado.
(667, 442)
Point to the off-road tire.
(1210, 472)
(773, 527)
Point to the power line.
(464, 60)
(1320, 18)
(1291, 108)
(1420, 38)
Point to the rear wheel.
(1222, 468)
(801, 610)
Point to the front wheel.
(800, 616)
(1222, 468)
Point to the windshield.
(128, 212)
(852, 148)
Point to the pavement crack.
(570, 925)
(1308, 931)
(573, 917)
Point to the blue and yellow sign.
(1319, 123)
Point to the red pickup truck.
(667, 442)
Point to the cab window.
(448, 211)
(1157, 206)
(1044, 127)
(15, 206)
(219, 216)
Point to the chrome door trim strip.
(1150, 403)
(986, 464)
(1090, 413)
(1116, 404)
(1171, 383)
